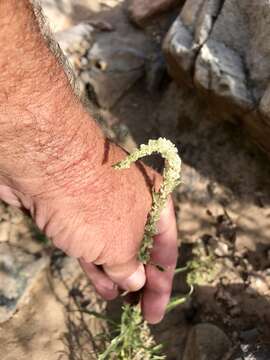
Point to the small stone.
(4, 231)
(222, 249)
(206, 342)
(142, 11)
(259, 284)
(58, 18)
(254, 352)
(78, 38)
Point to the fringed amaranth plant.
(133, 340)
(171, 179)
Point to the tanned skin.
(56, 163)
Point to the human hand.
(55, 162)
(99, 218)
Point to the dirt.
(222, 210)
(222, 206)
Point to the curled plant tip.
(171, 179)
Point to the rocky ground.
(46, 303)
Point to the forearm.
(44, 128)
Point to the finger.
(164, 253)
(129, 276)
(102, 283)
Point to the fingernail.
(136, 281)
(154, 320)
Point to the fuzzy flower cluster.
(171, 179)
(134, 340)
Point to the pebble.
(222, 249)
(255, 352)
(4, 231)
(200, 344)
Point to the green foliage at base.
(133, 340)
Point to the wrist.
(44, 150)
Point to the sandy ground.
(223, 215)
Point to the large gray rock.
(222, 48)
(187, 35)
(206, 342)
(220, 71)
(106, 63)
(115, 64)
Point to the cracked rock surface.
(220, 47)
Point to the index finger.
(158, 286)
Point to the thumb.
(129, 276)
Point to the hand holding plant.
(56, 163)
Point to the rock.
(180, 52)
(186, 36)
(63, 14)
(58, 14)
(253, 352)
(117, 60)
(141, 11)
(206, 342)
(222, 249)
(219, 48)
(259, 283)
(77, 39)
(4, 231)
(106, 63)
(220, 71)
(19, 272)
(115, 65)
(75, 42)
